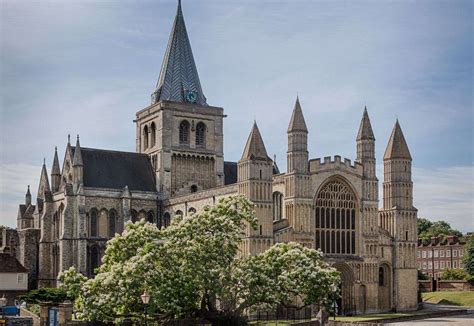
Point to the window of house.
(441, 253)
(461, 252)
(455, 264)
(430, 265)
(430, 254)
(443, 265)
(20, 278)
(436, 265)
(424, 265)
(423, 253)
(448, 264)
(436, 253)
(455, 253)
(448, 253)
(418, 254)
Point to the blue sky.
(87, 66)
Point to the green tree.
(428, 229)
(454, 274)
(422, 276)
(468, 258)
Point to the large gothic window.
(200, 134)
(150, 217)
(335, 218)
(94, 260)
(153, 134)
(184, 132)
(277, 205)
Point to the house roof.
(115, 170)
(9, 264)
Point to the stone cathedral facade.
(178, 167)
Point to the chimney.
(434, 241)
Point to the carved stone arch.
(191, 211)
(112, 222)
(184, 129)
(93, 259)
(201, 134)
(150, 217)
(145, 137)
(166, 219)
(141, 214)
(134, 215)
(384, 286)
(179, 212)
(93, 223)
(346, 301)
(152, 134)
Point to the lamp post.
(145, 299)
(334, 307)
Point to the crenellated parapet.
(335, 164)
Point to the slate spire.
(179, 79)
(77, 161)
(255, 148)
(297, 122)
(397, 147)
(365, 129)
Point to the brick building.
(438, 255)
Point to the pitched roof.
(44, 183)
(230, 172)
(397, 146)
(9, 264)
(365, 129)
(297, 122)
(115, 170)
(178, 75)
(255, 148)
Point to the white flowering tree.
(191, 269)
(287, 274)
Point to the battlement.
(316, 166)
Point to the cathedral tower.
(298, 201)
(255, 170)
(398, 217)
(181, 133)
(366, 156)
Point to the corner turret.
(297, 154)
(55, 172)
(28, 197)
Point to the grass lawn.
(456, 298)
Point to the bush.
(422, 276)
(54, 295)
(454, 274)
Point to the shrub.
(54, 295)
(454, 274)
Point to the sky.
(86, 67)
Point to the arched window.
(381, 276)
(150, 217)
(277, 205)
(145, 137)
(184, 132)
(166, 220)
(200, 134)
(178, 212)
(194, 188)
(112, 220)
(191, 211)
(134, 215)
(335, 210)
(153, 134)
(93, 223)
(94, 260)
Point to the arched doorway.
(346, 302)
(385, 285)
(363, 298)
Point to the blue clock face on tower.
(191, 96)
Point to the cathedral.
(330, 203)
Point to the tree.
(428, 229)
(422, 276)
(468, 258)
(192, 265)
(71, 282)
(454, 274)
